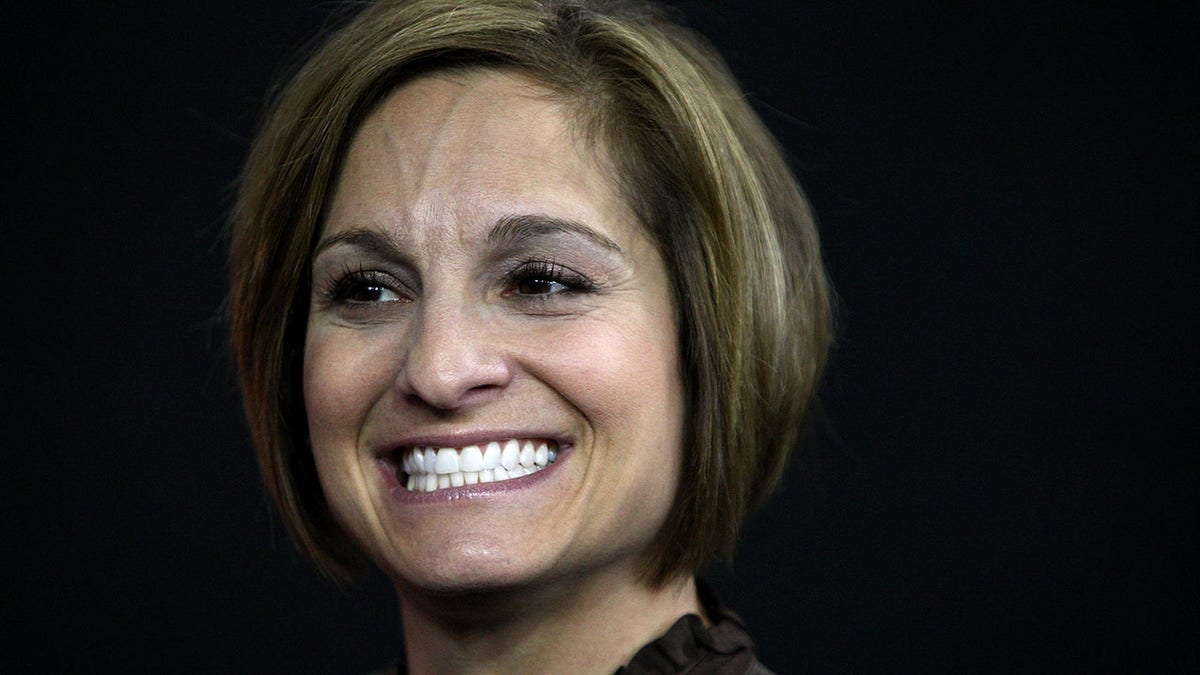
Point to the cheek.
(624, 377)
(626, 383)
(343, 375)
(339, 390)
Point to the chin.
(468, 567)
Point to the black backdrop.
(1008, 202)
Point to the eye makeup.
(361, 286)
(534, 263)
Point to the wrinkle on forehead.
(420, 134)
(445, 115)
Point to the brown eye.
(365, 287)
(371, 293)
(536, 286)
(544, 278)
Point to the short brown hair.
(693, 160)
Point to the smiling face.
(479, 281)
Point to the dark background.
(1008, 199)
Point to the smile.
(428, 469)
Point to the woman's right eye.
(365, 287)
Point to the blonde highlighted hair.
(695, 163)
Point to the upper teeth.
(432, 468)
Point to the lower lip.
(476, 491)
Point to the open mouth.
(425, 469)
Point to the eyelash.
(546, 271)
(343, 288)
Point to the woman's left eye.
(535, 286)
(537, 278)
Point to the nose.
(452, 360)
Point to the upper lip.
(461, 439)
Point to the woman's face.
(480, 291)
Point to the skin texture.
(441, 316)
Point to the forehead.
(467, 147)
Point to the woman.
(528, 310)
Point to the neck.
(593, 625)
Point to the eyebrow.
(509, 229)
(367, 239)
(514, 229)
